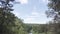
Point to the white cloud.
(29, 19)
(32, 17)
(35, 13)
(35, 18)
(23, 1)
(45, 1)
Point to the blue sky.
(32, 11)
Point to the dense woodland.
(11, 24)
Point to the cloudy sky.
(32, 11)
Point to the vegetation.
(54, 11)
(10, 24)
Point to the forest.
(11, 24)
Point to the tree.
(54, 11)
(7, 19)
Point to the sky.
(32, 11)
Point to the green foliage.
(6, 22)
(9, 23)
(54, 4)
(27, 28)
(54, 11)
